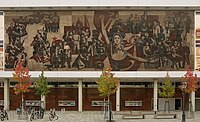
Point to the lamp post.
(183, 92)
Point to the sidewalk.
(97, 116)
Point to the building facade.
(73, 44)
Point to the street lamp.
(183, 92)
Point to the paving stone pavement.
(97, 116)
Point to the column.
(6, 94)
(118, 99)
(43, 100)
(80, 95)
(155, 94)
(192, 97)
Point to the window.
(90, 85)
(177, 84)
(136, 84)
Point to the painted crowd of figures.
(136, 42)
(17, 35)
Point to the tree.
(189, 82)
(41, 86)
(107, 85)
(167, 90)
(22, 77)
(189, 85)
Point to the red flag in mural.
(87, 26)
(86, 22)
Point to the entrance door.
(178, 104)
(197, 104)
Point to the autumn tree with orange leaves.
(107, 84)
(189, 82)
(22, 76)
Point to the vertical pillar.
(6, 94)
(192, 97)
(80, 95)
(118, 99)
(43, 100)
(155, 94)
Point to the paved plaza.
(97, 116)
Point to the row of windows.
(94, 85)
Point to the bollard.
(183, 117)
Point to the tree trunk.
(109, 110)
(104, 107)
(23, 115)
(22, 106)
(167, 106)
(43, 102)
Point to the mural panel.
(91, 40)
(1, 55)
(1, 39)
(197, 28)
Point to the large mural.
(91, 40)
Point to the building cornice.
(96, 74)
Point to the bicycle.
(33, 115)
(3, 115)
(29, 110)
(42, 113)
(53, 115)
(19, 111)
